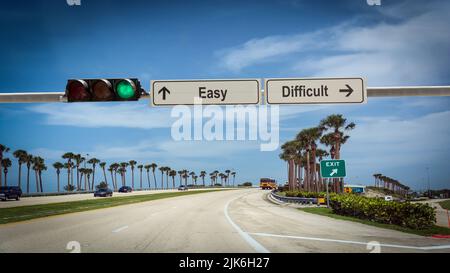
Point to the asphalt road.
(226, 221)
(38, 200)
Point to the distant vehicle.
(182, 188)
(388, 198)
(125, 189)
(103, 193)
(10, 192)
(267, 184)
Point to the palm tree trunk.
(154, 179)
(132, 178)
(57, 180)
(140, 178)
(104, 174)
(148, 179)
(28, 179)
(37, 180)
(20, 175)
(6, 173)
(40, 181)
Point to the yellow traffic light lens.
(102, 90)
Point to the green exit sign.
(332, 168)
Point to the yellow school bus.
(267, 184)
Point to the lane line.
(252, 242)
(349, 242)
(120, 229)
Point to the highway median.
(23, 213)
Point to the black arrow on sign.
(349, 90)
(165, 91)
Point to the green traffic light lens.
(126, 89)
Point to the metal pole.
(328, 194)
(399, 91)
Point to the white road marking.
(252, 242)
(350, 242)
(120, 229)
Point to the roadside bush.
(305, 194)
(406, 214)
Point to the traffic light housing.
(83, 90)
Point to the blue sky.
(398, 43)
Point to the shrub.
(69, 187)
(305, 194)
(406, 214)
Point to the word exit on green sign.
(332, 168)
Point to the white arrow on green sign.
(332, 168)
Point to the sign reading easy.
(332, 168)
(315, 91)
(218, 92)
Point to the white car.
(388, 198)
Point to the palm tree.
(153, 167)
(6, 163)
(172, 174)
(289, 154)
(58, 166)
(111, 170)
(3, 149)
(162, 169)
(69, 156)
(227, 172)
(28, 160)
(88, 175)
(234, 176)
(115, 167)
(132, 164)
(78, 160)
(123, 166)
(93, 161)
(167, 170)
(103, 166)
(192, 174)
(37, 165)
(20, 156)
(147, 169)
(140, 174)
(202, 175)
(41, 167)
(337, 124)
(181, 176)
(185, 176)
(67, 166)
(307, 139)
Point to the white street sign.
(315, 91)
(220, 92)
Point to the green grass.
(423, 232)
(17, 214)
(445, 204)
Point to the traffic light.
(80, 90)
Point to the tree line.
(83, 179)
(302, 154)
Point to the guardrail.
(298, 200)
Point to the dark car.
(10, 192)
(125, 189)
(182, 188)
(103, 193)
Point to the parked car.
(388, 198)
(125, 189)
(103, 193)
(10, 192)
(182, 188)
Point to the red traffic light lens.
(78, 91)
(102, 91)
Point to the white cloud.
(129, 115)
(414, 51)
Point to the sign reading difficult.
(315, 91)
(218, 92)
